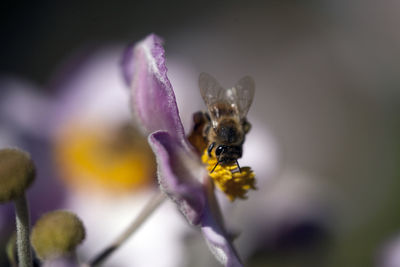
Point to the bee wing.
(210, 89)
(242, 95)
(239, 97)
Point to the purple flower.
(181, 174)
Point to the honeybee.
(226, 124)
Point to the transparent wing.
(210, 89)
(237, 99)
(242, 95)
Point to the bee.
(226, 125)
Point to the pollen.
(228, 178)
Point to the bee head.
(228, 154)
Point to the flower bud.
(57, 234)
(17, 172)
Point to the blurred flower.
(389, 255)
(181, 174)
(96, 148)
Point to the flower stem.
(22, 221)
(151, 206)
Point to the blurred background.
(325, 142)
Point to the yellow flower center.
(106, 160)
(228, 178)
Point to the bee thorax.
(228, 133)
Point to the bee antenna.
(215, 167)
(237, 163)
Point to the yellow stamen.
(102, 159)
(233, 183)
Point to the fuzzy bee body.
(226, 123)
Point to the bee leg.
(198, 119)
(210, 148)
(207, 116)
(215, 167)
(237, 163)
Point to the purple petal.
(152, 97)
(214, 232)
(217, 241)
(180, 173)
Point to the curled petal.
(152, 97)
(218, 241)
(179, 174)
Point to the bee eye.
(219, 150)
